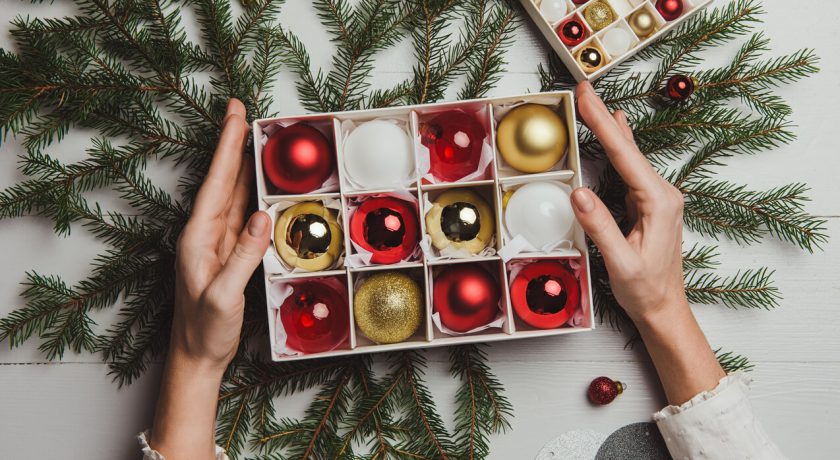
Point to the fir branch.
(750, 288)
(700, 257)
(731, 362)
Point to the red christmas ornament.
(316, 317)
(670, 9)
(298, 159)
(387, 227)
(680, 87)
(454, 139)
(466, 296)
(545, 294)
(572, 31)
(603, 390)
(579, 2)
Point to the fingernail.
(583, 201)
(230, 105)
(257, 224)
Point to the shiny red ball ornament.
(579, 2)
(466, 296)
(572, 32)
(297, 159)
(545, 294)
(316, 317)
(454, 139)
(670, 9)
(680, 87)
(603, 390)
(387, 227)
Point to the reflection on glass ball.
(545, 295)
(384, 229)
(460, 222)
(309, 235)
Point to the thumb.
(599, 224)
(246, 254)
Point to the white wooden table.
(72, 407)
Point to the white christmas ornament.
(377, 154)
(617, 41)
(541, 213)
(553, 10)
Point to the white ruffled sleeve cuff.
(717, 424)
(151, 454)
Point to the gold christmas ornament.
(307, 236)
(591, 59)
(532, 138)
(642, 23)
(462, 220)
(598, 15)
(388, 307)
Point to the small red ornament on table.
(603, 390)
(315, 317)
(297, 159)
(466, 297)
(387, 227)
(572, 32)
(545, 294)
(670, 9)
(455, 140)
(680, 87)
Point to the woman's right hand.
(645, 267)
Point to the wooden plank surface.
(73, 407)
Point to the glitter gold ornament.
(460, 219)
(532, 138)
(591, 59)
(598, 15)
(388, 307)
(642, 23)
(307, 236)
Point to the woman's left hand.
(216, 256)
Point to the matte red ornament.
(545, 294)
(316, 317)
(454, 139)
(670, 9)
(466, 296)
(572, 31)
(298, 159)
(680, 87)
(387, 227)
(603, 390)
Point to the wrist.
(184, 363)
(663, 316)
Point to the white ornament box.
(494, 178)
(617, 41)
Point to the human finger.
(621, 120)
(215, 192)
(599, 224)
(622, 152)
(246, 255)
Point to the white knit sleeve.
(717, 424)
(150, 454)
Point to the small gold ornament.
(307, 236)
(388, 307)
(591, 59)
(599, 15)
(532, 138)
(642, 23)
(460, 219)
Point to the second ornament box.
(422, 226)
